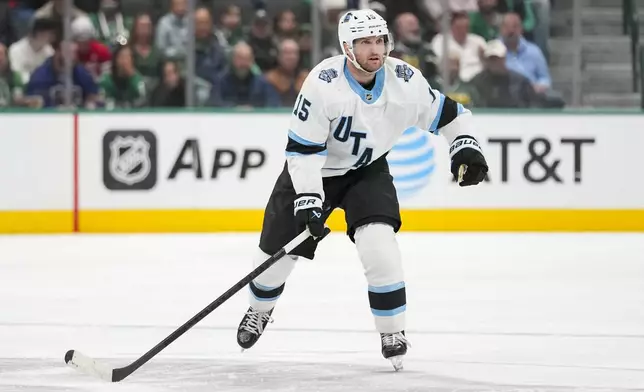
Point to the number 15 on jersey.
(302, 108)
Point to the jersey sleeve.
(440, 114)
(306, 150)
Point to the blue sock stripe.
(388, 288)
(264, 288)
(263, 299)
(263, 293)
(389, 313)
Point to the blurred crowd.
(494, 52)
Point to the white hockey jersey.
(337, 125)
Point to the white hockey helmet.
(363, 23)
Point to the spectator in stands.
(210, 58)
(47, 81)
(436, 9)
(123, 86)
(172, 31)
(527, 59)
(241, 88)
(171, 91)
(469, 46)
(8, 34)
(147, 57)
(261, 41)
(92, 54)
(229, 31)
(523, 8)
(287, 78)
(305, 42)
(524, 57)
(285, 25)
(487, 21)
(455, 88)
(499, 87)
(31, 51)
(410, 47)
(54, 9)
(11, 84)
(22, 15)
(112, 26)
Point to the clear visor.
(388, 38)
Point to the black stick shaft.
(121, 373)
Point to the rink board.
(213, 172)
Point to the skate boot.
(394, 347)
(251, 327)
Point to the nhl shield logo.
(368, 96)
(129, 160)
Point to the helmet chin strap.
(355, 63)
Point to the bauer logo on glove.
(308, 213)
(468, 163)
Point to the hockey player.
(350, 112)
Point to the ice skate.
(251, 327)
(394, 348)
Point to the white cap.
(83, 28)
(495, 48)
(358, 24)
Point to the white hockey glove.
(468, 163)
(308, 213)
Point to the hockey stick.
(90, 366)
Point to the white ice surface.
(486, 312)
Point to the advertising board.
(37, 175)
(203, 172)
(561, 162)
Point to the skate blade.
(397, 362)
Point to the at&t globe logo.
(411, 162)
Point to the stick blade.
(87, 365)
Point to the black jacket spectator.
(240, 87)
(7, 30)
(171, 91)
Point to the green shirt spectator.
(147, 57)
(487, 20)
(111, 25)
(147, 62)
(124, 86)
(229, 30)
(124, 93)
(11, 83)
(11, 88)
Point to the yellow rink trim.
(36, 222)
(163, 221)
(159, 221)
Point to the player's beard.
(370, 65)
